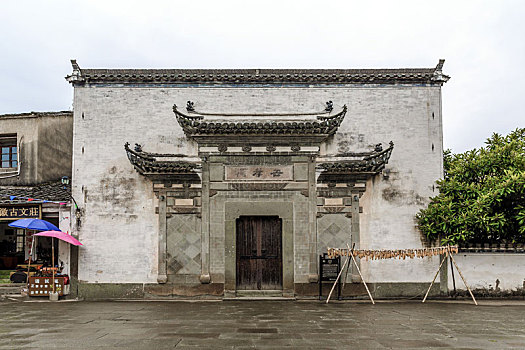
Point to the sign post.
(328, 272)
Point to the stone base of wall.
(101, 291)
(105, 291)
(202, 291)
(378, 290)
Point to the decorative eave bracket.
(366, 165)
(150, 166)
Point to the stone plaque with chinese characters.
(259, 173)
(20, 212)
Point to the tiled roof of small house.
(259, 76)
(49, 191)
(36, 114)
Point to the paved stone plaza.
(262, 325)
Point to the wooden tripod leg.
(362, 279)
(336, 280)
(463, 278)
(435, 276)
(350, 251)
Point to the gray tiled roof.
(49, 191)
(198, 125)
(36, 114)
(147, 163)
(259, 76)
(361, 168)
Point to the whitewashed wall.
(119, 227)
(482, 270)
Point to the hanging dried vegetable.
(380, 254)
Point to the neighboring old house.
(36, 154)
(236, 180)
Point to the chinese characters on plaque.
(19, 212)
(42, 286)
(260, 173)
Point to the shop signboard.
(13, 212)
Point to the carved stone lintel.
(205, 278)
(222, 148)
(246, 148)
(185, 210)
(270, 148)
(334, 210)
(296, 148)
(184, 193)
(240, 186)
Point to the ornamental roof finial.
(438, 72)
(76, 76)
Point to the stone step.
(259, 293)
(260, 298)
(11, 288)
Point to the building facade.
(36, 152)
(226, 183)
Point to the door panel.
(259, 253)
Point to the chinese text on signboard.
(19, 212)
(260, 173)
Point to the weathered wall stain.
(399, 196)
(345, 140)
(115, 190)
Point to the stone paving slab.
(262, 325)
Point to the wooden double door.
(259, 253)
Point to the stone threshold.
(259, 295)
(260, 298)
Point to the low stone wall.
(490, 274)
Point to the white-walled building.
(239, 179)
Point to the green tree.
(482, 195)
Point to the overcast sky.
(482, 41)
